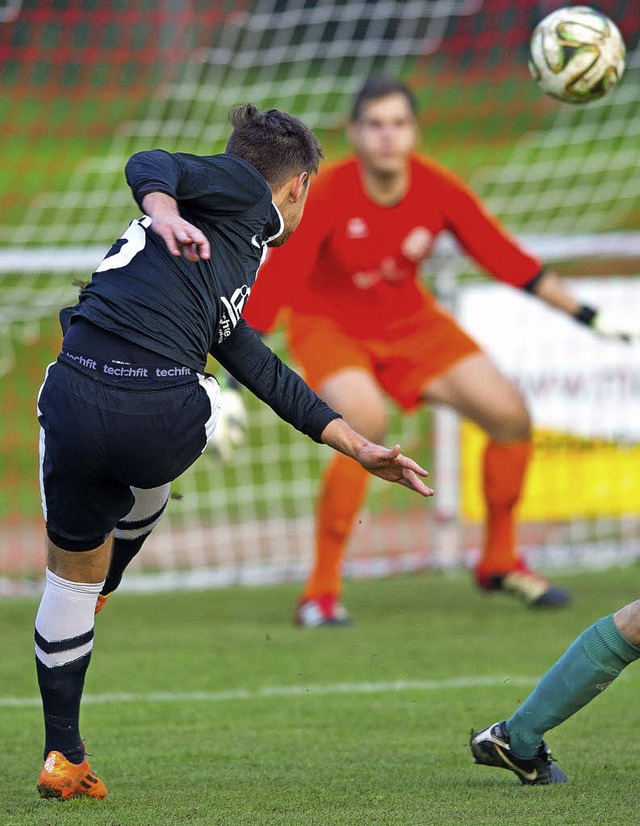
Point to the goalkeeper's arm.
(547, 286)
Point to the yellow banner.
(568, 477)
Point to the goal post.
(85, 83)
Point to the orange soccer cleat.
(102, 601)
(63, 780)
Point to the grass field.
(210, 708)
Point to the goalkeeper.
(362, 329)
(127, 406)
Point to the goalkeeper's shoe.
(63, 780)
(323, 610)
(102, 601)
(490, 747)
(526, 584)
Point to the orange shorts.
(424, 347)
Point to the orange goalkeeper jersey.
(358, 263)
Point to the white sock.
(66, 614)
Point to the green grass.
(343, 757)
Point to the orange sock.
(342, 494)
(504, 470)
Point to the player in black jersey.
(127, 406)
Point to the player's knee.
(627, 620)
(512, 425)
(369, 420)
(376, 428)
(78, 561)
(63, 543)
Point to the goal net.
(86, 83)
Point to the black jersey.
(184, 310)
(165, 303)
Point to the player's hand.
(231, 428)
(181, 237)
(391, 465)
(613, 324)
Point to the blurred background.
(85, 83)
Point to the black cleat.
(490, 747)
(532, 588)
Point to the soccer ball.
(577, 54)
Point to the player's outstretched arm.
(387, 463)
(246, 356)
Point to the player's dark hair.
(381, 86)
(278, 145)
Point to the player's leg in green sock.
(587, 667)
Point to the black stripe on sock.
(61, 645)
(124, 525)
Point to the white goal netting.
(92, 82)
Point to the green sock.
(588, 666)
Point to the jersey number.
(127, 246)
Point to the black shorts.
(106, 428)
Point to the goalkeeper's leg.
(503, 473)
(343, 490)
(131, 533)
(354, 393)
(476, 389)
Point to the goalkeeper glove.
(231, 428)
(608, 324)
